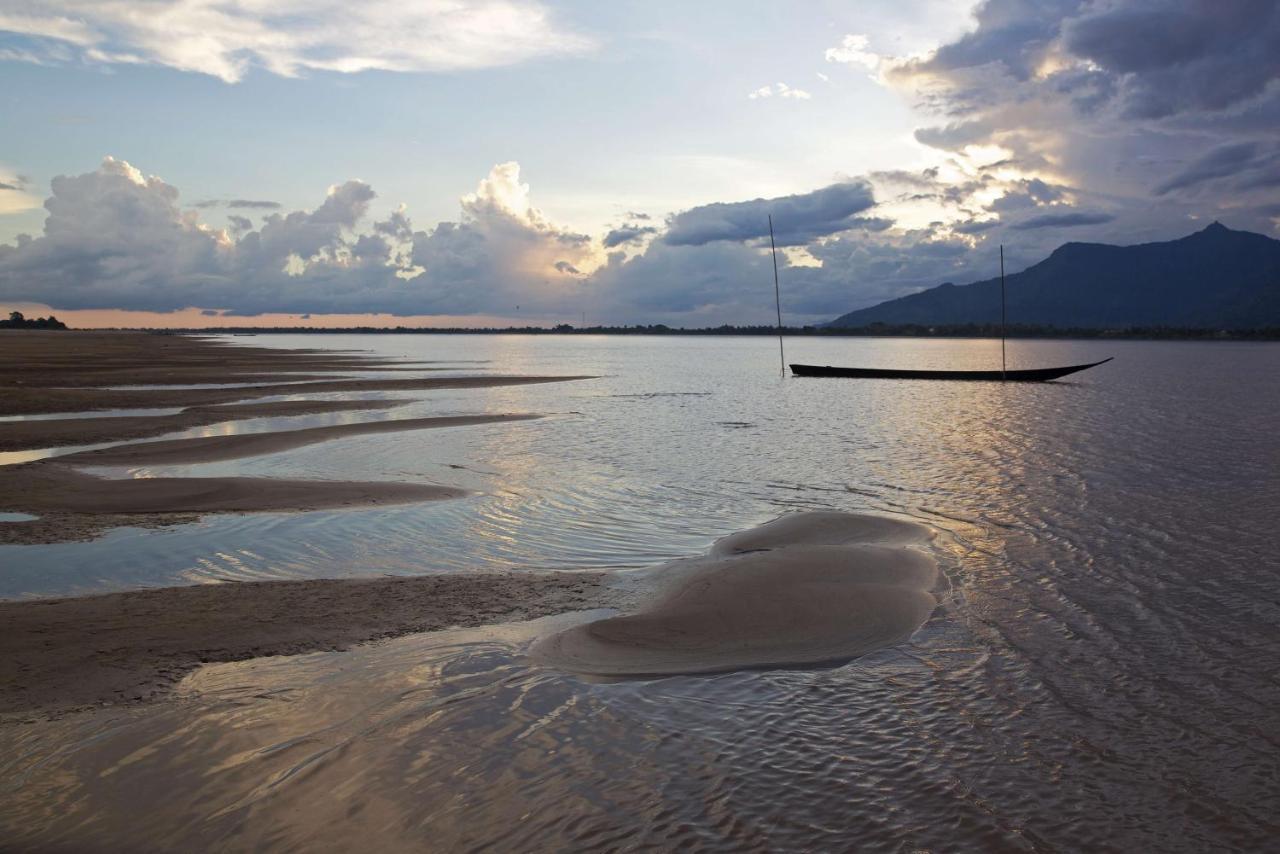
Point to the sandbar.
(125, 648)
(806, 589)
(59, 432)
(207, 449)
(51, 372)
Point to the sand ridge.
(806, 589)
(207, 449)
(59, 432)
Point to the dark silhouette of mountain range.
(1216, 278)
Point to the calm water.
(1100, 675)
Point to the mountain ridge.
(1213, 278)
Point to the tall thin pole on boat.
(1002, 367)
(777, 297)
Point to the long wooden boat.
(1033, 375)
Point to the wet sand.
(208, 449)
(60, 432)
(73, 505)
(123, 648)
(806, 589)
(809, 588)
(27, 401)
(43, 359)
(51, 372)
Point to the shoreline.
(54, 372)
(807, 589)
(127, 648)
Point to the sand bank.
(98, 358)
(62, 654)
(809, 588)
(207, 449)
(51, 372)
(59, 432)
(73, 505)
(28, 401)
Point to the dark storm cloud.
(4, 186)
(1221, 162)
(1180, 56)
(567, 268)
(975, 226)
(1012, 33)
(797, 219)
(1063, 220)
(629, 233)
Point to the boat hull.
(1034, 375)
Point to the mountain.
(1216, 278)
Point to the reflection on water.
(1100, 676)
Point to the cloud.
(115, 238)
(254, 204)
(1172, 57)
(1063, 220)
(229, 38)
(975, 226)
(1156, 111)
(1225, 160)
(854, 49)
(14, 194)
(628, 233)
(248, 204)
(782, 90)
(797, 219)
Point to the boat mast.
(1002, 366)
(777, 297)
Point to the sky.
(486, 162)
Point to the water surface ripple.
(1099, 675)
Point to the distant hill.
(1216, 278)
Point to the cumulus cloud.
(226, 39)
(115, 238)
(781, 90)
(1112, 104)
(797, 218)
(854, 49)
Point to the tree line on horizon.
(873, 330)
(18, 321)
